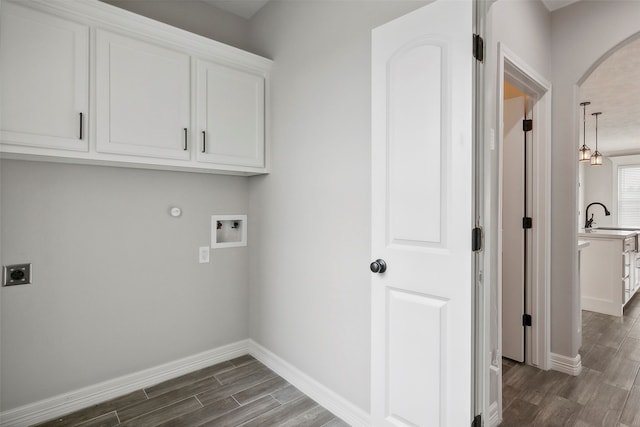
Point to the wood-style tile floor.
(239, 392)
(606, 393)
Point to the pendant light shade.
(596, 158)
(584, 154)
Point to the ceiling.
(510, 91)
(613, 88)
(243, 8)
(557, 4)
(247, 8)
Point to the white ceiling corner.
(243, 8)
(552, 5)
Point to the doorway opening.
(517, 220)
(523, 139)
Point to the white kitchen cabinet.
(231, 115)
(635, 271)
(44, 69)
(143, 95)
(607, 280)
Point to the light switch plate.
(203, 254)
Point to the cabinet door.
(143, 98)
(230, 116)
(44, 69)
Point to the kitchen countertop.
(596, 233)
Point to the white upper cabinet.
(231, 116)
(87, 82)
(143, 95)
(44, 69)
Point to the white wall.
(576, 47)
(195, 16)
(524, 27)
(598, 187)
(310, 278)
(117, 285)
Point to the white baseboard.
(493, 418)
(568, 365)
(600, 305)
(78, 399)
(335, 403)
(69, 402)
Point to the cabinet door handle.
(185, 139)
(81, 117)
(204, 142)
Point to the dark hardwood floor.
(244, 392)
(239, 392)
(606, 393)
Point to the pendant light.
(596, 158)
(584, 153)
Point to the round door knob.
(378, 266)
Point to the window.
(629, 196)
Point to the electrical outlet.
(203, 254)
(17, 274)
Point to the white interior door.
(422, 217)
(513, 269)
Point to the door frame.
(531, 82)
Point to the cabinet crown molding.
(98, 14)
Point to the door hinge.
(478, 47)
(476, 239)
(477, 421)
(526, 320)
(527, 222)
(527, 125)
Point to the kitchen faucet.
(589, 221)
